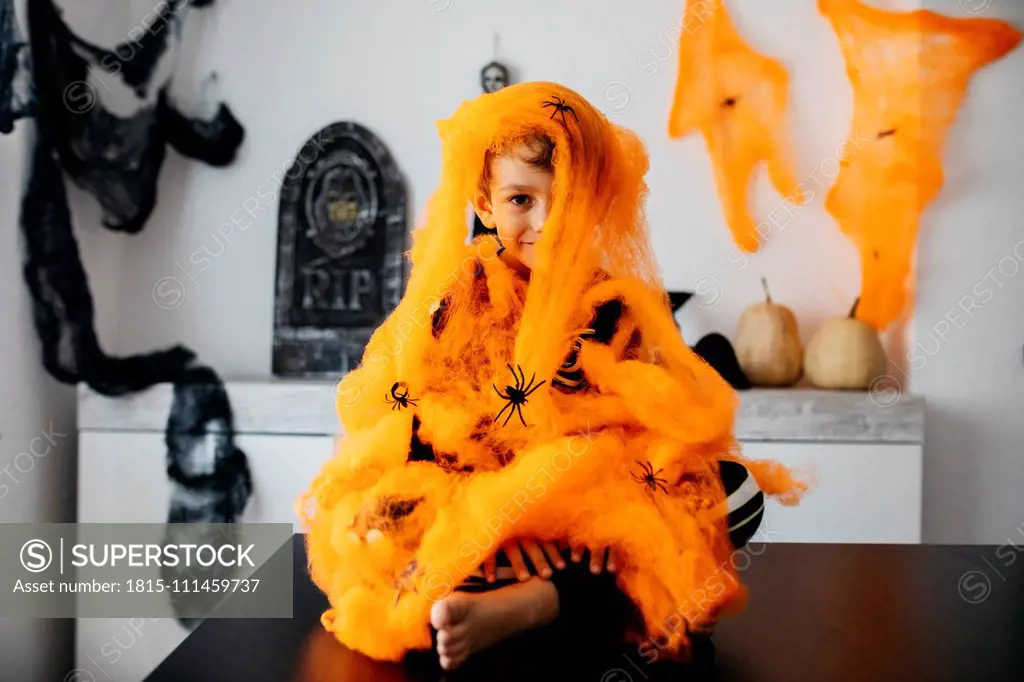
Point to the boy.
(502, 356)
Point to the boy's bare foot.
(470, 622)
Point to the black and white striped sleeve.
(744, 501)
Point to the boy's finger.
(491, 568)
(613, 560)
(554, 556)
(536, 554)
(597, 561)
(515, 557)
(577, 552)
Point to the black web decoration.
(212, 473)
(383, 517)
(116, 158)
(17, 96)
(399, 397)
(649, 477)
(517, 395)
(558, 106)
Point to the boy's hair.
(539, 152)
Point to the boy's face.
(520, 197)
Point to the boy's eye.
(520, 199)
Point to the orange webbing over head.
(737, 98)
(392, 526)
(910, 72)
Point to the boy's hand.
(543, 555)
(601, 559)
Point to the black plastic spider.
(560, 107)
(516, 395)
(399, 397)
(650, 477)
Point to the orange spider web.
(737, 98)
(909, 72)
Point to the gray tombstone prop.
(342, 237)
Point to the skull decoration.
(494, 77)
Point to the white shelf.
(306, 407)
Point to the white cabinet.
(867, 458)
(864, 493)
(121, 478)
(865, 451)
(122, 475)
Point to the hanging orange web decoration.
(909, 72)
(736, 97)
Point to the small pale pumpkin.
(845, 354)
(768, 343)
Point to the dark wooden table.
(823, 613)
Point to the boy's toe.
(451, 639)
(441, 615)
(451, 611)
(453, 650)
(452, 661)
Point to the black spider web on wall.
(117, 160)
(17, 96)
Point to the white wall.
(32, 488)
(967, 354)
(399, 70)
